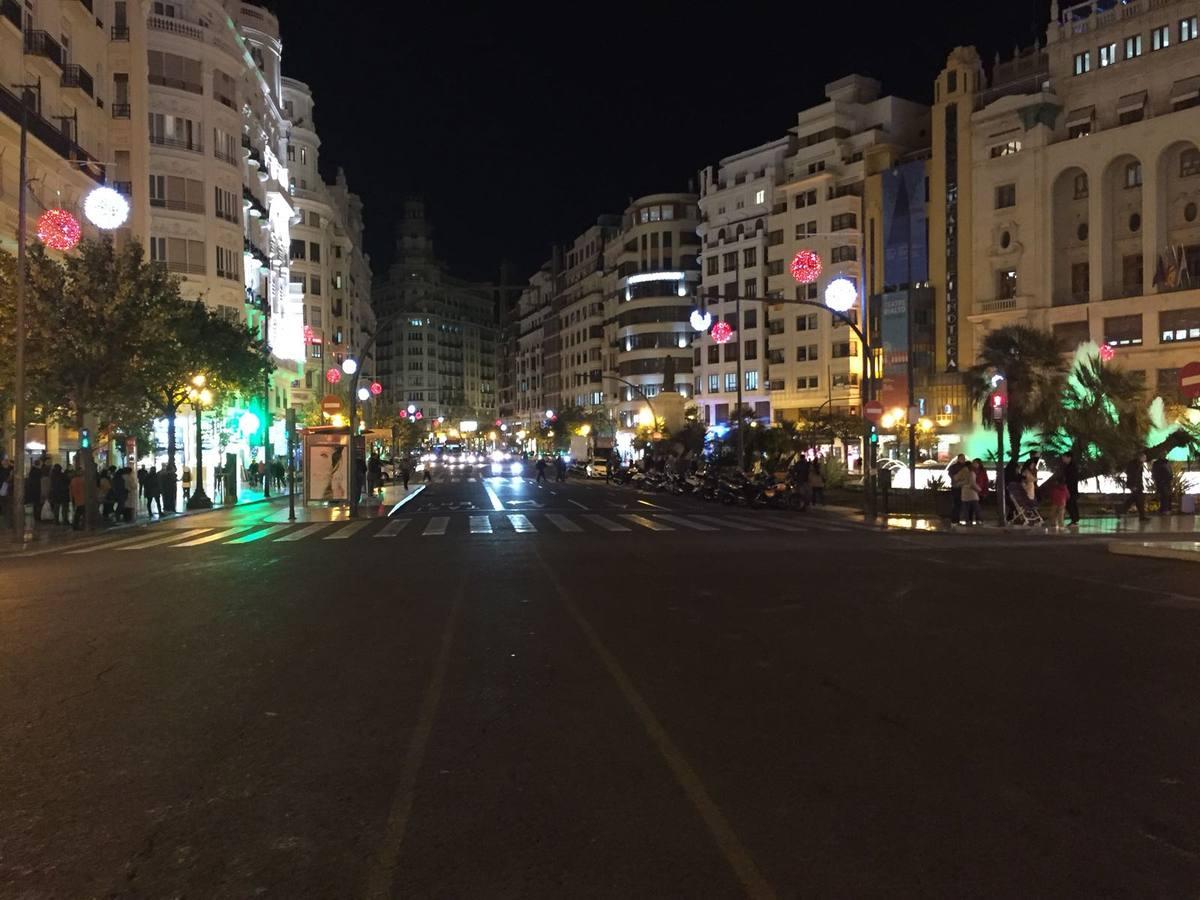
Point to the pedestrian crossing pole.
(291, 444)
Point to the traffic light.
(874, 435)
(85, 439)
(997, 406)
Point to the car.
(597, 467)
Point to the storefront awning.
(1186, 89)
(1131, 102)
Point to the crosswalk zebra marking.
(347, 531)
(686, 523)
(300, 535)
(219, 536)
(728, 523)
(163, 539)
(606, 524)
(770, 523)
(437, 525)
(562, 522)
(259, 535)
(646, 523)
(521, 524)
(481, 525)
(392, 528)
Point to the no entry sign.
(331, 404)
(1189, 380)
(872, 410)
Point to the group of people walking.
(58, 495)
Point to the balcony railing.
(123, 187)
(11, 10)
(50, 135)
(186, 268)
(40, 43)
(177, 83)
(119, 34)
(225, 157)
(176, 205)
(76, 76)
(175, 26)
(121, 111)
(161, 140)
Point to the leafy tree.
(1102, 416)
(1032, 364)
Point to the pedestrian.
(427, 474)
(1059, 495)
(1029, 482)
(1135, 473)
(60, 495)
(560, 469)
(968, 495)
(360, 477)
(45, 488)
(6, 487)
(1032, 463)
(120, 493)
(33, 489)
(141, 480)
(982, 483)
(960, 463)
(104, 492)
(405, 473)
(78, 493)
(187, 484)
(218, 481)
(1068, 473)
(153, 492)
(168, 486)
(1162, 476)
(541, 470)
(816, 482)
(374, 473)
(129, 505)
(280, 473)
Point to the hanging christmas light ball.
(333, 375)
(376, 388)
(364, 394)
(350, 366)
(722, 333)
(404, 413)
(806, 267)
(841, 294)
(1107, 352)
(105, 208)
(58, 229)
(308, 334)
(700, 320)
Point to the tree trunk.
(172, 410)
(90, 510)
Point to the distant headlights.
(515, 469)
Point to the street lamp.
(199, 396)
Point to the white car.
(597, 467)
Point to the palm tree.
(1103, 417)
(1034, 370)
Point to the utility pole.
(18, 485)
(267, 398)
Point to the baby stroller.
(1024, 510)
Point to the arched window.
(1081, 186)
(1189, 163)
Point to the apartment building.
(437, 333)
(652, 277)
(521, 356)
(801, 192)
(1085, 185)
(329, 273)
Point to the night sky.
(518, 127)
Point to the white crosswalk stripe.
(259, 534)
(437, 525)
(686, 523)
(606, 524)
(347, 531)
(646, 523)
(521, 524)
(481, 525)
(164, 539)
(727, 523)
(392, 528)
(563, 523)
(219, 536)
(300, 535)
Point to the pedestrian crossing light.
(85, 439)
(874, 435)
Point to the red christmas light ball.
(333, 375)
(806, 267)
(722, 332)
(58, 229)
(1107, 352)
(376, 388)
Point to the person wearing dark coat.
(152, 491)
(1068, 474)
(60, 495)
(33, 489)
(1162, 476)
(1134, 482)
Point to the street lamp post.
(17, 490)
(199, 396)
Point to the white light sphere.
(841, 294)
(411, 409)
(364, 393)
(105, 208)
(349, 366)
(701, 321)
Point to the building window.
(1160, 38)
(714, 384)
(1179, 325)
(760, 197)
(1072, 334)
(1189, 163)
(1107, 54)
(1081, 186)
(807, 323)
(843, 222)
(750, 257)
(1129, 116)
(1187, 29)
(314, 251)
(750, 318)
(1133, 46)
(1008, 148)
(1080, 282)
(1079, 129)
(1006, 196)
(298, 249)
(1133, 175)
(1006, 284)
(1083, 62)
(845, 253)
(844, 349)
(729, 261)
(316, 350)
(751, 349)
(1123, 331)
(751, 380)
(1131, 275)
(731, 381)
(714, 353)
(808, 383)
(713, 265)
(731, 352)
(808, 353)
(750, 288)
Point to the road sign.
(331, 404)
(872, 410)
(1189, 380)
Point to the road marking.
(726, 839)
(563, 523)
(646, 523)
(104, 546)
(219, 536)
(771, 523)
(406, 498)
(348, 531)
(392, 528)
(379, 884)
(481, 525)
(652, 505)
(165, 539)
(496, 501)
(437, 525)
(521, 524)
(727, 523)
(686, 523)
(472, 478)
(258, 535)
(606, 524)
(307, 531)
(577, 503)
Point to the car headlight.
(497, 469)
(515, 469)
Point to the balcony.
(175, 26)
(118, 34)
(253, 205)
(177, 83)
(76, 76)
(226, 157)
(50, 135)
(121, 111)
(125, 188)
(162, 140)
(11, 10)
(40, 43)
(186, 268)
(176, 205)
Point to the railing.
(39, 43)
(175, 26)
(177, 83)
(186, 268)
(176, 205)
(225, 157)
(76, 76)
(119, 34)
(121, 110)
(123, 187)
(161, 140)
(11, 10)
(50, 135)
(999, 305)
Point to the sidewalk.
(373, 506)
(1188, 551)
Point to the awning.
(1082, 116)
(1131, 102)
(1186, 89)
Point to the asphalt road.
(715, 704)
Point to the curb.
(1186, 551)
